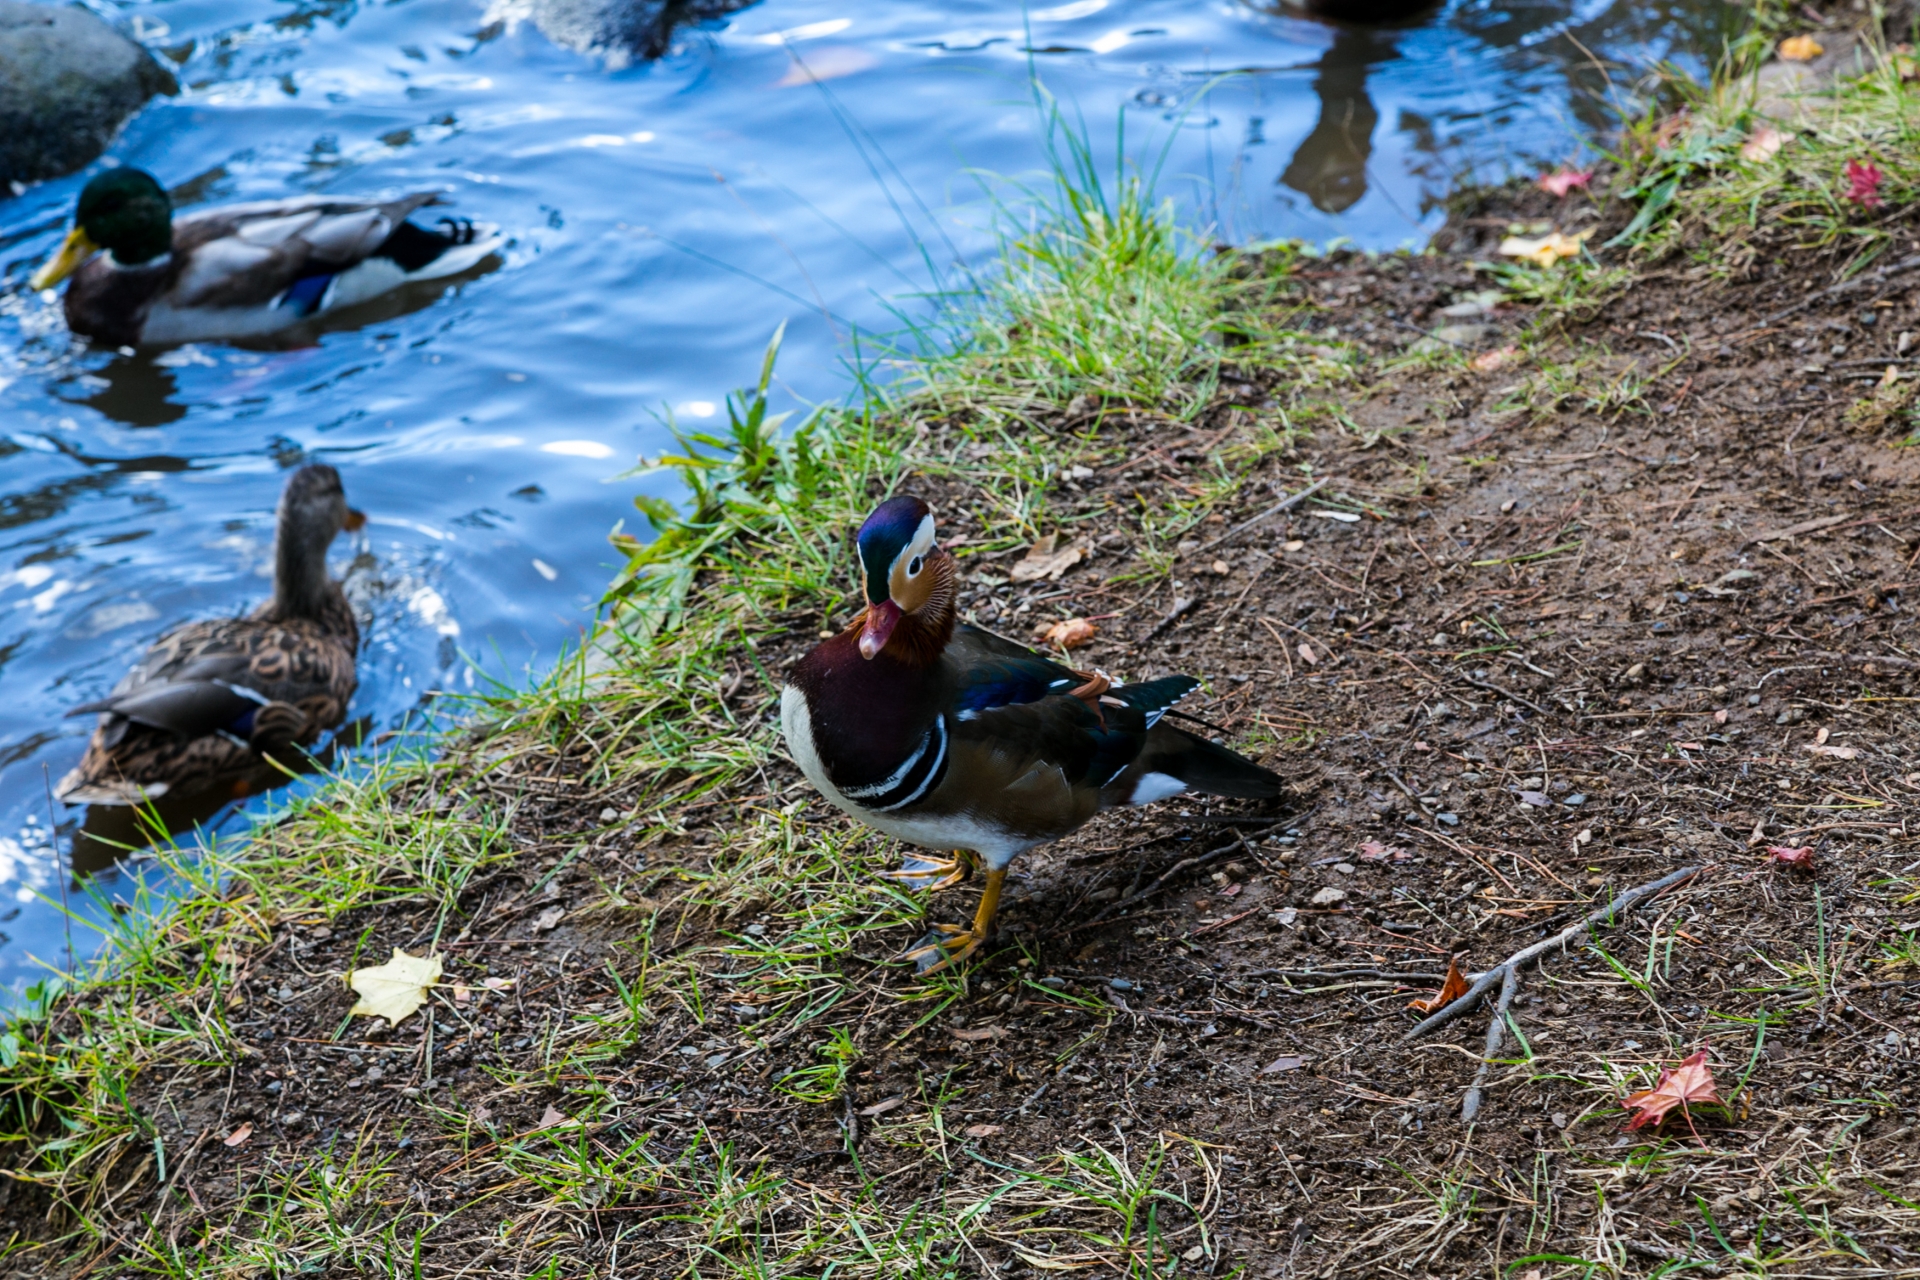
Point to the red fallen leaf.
(1801, 856)
(1863, 184)
(1684, 1086)
(1561, 181)
(1452, 989)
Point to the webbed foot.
(944, 946)
(933, 874)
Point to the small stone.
(1328, 897)
(1559, 1119)
(1637, 670)
(1344, 868)
(1055, 981)
(1119, 984)
(608, 815)
(1449, 819)
(1575, 800)
(1537, 799)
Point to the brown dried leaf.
(981, 1130)
(1286, 1062)
(239, 1135)
(1452, 989)
(1044, 561)
(1764, 144)
(1071, 633)
(977, 1034)
(883, 1106)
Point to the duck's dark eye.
(913, 567)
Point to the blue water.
(663, 218)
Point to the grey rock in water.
(618, 31)
(68, 81)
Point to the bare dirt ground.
(1629, 602)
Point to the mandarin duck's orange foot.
(945, 946)
(948, 944)
(933, 874)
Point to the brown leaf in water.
(1685, 1085)
(1452, 989)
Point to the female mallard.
(211, 701)
(241, 271)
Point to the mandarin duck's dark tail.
(1206, 767)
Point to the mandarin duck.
(951, 738)
(141, 275)
(211, 702)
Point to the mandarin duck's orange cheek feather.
(951, 738)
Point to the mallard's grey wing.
(249, 255)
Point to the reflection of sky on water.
(663, 218)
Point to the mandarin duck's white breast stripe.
(914, 778)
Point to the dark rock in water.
(67, 83)
(620, 31)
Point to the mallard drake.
(212, 701)
(951, 738)
(140, 275)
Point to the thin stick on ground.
(1496, 1035)
(1507, 974)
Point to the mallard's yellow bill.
(76, 250)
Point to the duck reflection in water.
(1330, 167)
(111, 832)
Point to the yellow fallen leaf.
(1764, 144)
(395, 989)
(1546, 250)
(1801, 48)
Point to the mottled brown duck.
(213, 704)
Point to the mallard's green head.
(123, 211)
